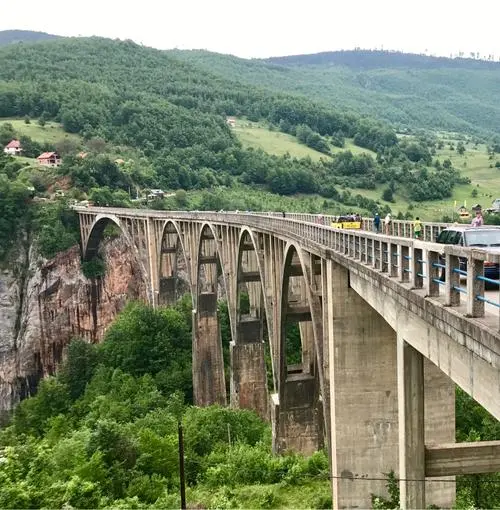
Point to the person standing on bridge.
(376, 223)
(417, 228)
(387, 224)
(478, 221)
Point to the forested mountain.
(118, 96)
(409, 91)
(15, 36)
(175, 114)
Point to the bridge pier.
(363, 394)
(297, 417)
(439, 412)
(248, 368)
(168, 290)
(208, 365)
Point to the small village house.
(13, 148)
(49, 159)
(231, 121)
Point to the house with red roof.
(13, 148)
(49, 159)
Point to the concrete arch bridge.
(383, 339)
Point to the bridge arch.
(208, 364)
(93, 241)
(249, 387)
(299, 413)
(171, 245)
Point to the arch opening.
(251, 365)
(297, 334)
(208, 361)
(172, 262)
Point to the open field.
(50, 133)
(484, 179)
(259, 136)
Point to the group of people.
(477, 221)
(377, 225)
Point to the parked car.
(487, 237)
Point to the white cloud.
(273, 27)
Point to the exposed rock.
(43, 305)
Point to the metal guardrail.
(420, 265)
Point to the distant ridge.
(17, 36)
(376, 59)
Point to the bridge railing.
(400, 228)
(453, 275)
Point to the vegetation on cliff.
(103, 432)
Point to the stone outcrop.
(44, 304)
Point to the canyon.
(46, 303)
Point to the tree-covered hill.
(16, 36)
(175, 114)
(409, 91)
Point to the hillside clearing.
(259, 136)
(52, 132)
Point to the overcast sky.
(262, 28)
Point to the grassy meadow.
(52, 132)
(475, 164)
(259, 136)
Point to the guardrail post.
(404, 264)
(452, 280)
(475, 287)
(374, 253)
(364, 257)
(393, 259)
(385, 256)
(417, 268)
(433, 273)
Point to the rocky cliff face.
(43, 304)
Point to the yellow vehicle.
(347, 222)
(463, 213)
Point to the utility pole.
(182, 478)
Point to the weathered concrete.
(363, 395)
(462, 458)
(208, 365)
(411, 426)
(439, 412)
(296, 417)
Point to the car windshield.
(482, 238)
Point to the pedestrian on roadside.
(387, 224)
(376, 223)
(417, 228)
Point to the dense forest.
(173, 114)
(408, 91)
(102, 433)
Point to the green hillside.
(259, 136)
(409, 91)
(51, 132)
(16, 36)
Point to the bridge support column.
(363, 394)
(208, 365)
(297, 417)
(168, 290)
(248, 368)
(439, 411)
(411, 426)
